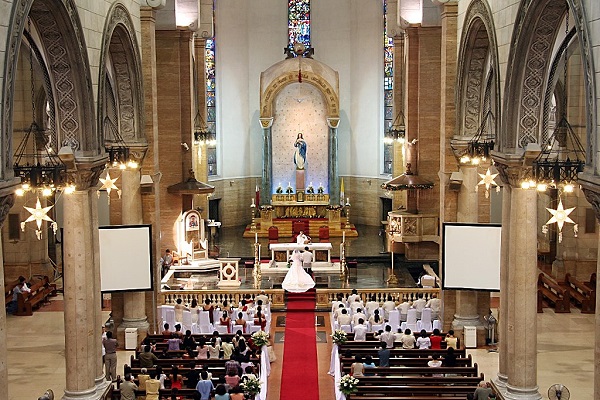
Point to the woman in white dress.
(297, 280)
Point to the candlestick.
(343, 236)
(253, 203)
(256, 237)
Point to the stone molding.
(87, 172)
(119, 39)
(477, 40)
(6, 203)
(512, 171)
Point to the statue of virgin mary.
(300, 152)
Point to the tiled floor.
(565, 341)
(565, 355)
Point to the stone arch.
(285, 72)
(63, 45)
(477, 72)
(120, 49)
(535, 31)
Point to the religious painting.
(192, 221)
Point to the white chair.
(376, 327)
(217, 314)
(437, 324)
(206, 329)
(411, 319)
(251, 328)
(170, 317)
(186, 322)
(203, 318)
(425, 321)
(238, 328)
(346, 328)
(221, 328)
(394, 320)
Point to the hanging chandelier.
(397, 131)
(118, 152)
(202, 135)
(35, 162)
(481, 144)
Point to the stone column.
(467, 211)
(502, 377)
(267, 167)
(82, 291)
(150, 164)
(6, 202)
(134, 307)
(522, 296)
(334, 177)
(200, 159)
(398, 167)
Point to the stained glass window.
(299, 22)
(388, 92)
(211, 114)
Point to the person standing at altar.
(300, 153)
(302, 238)
(307, 259)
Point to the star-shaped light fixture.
(39, 214)
(560, 216)
(108, 184)
(488, 179)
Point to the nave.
(36, 359)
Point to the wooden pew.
(419, 380)
(168, 362)
(581, 294)
(386, 392)
(397, 352)
(419, 371)
(550, 291)
(408, 362)
(39, 293)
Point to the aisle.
(299, 378)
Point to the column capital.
(590, 185)
(147, 14)
(6, 203)
(266, 123)
(333, 122)
(138, 152)
(153, 4)
(87, 172)
(512, 174)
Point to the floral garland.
(348, 384)
(339, 336)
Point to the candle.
(343, 236)
(253, 203)
(256, 237)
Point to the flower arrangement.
(320, 189)
(289, 189)
(251, 386)
(279, 189)
(310, 189)
(339, 336)
(260, 338)
(348, 385)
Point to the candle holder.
(253, 213)
(257, 273)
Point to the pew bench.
(581, 294)
(387, 391)
(550, 291)
(38, 294)
(404, 371)
(408, 362)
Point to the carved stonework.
(593, 198)
(85, 178)
(120, 41)
(477, 40)
(329, 94)
(6, 203)
(512, 174)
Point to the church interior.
(164, 150)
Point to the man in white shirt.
(436, 306)
(344, 318)
(336, 304)
(353, 296)
(403, 308)
(358, 316)
(307, 259)
(360, 331)
(388, 306)
(371, 305)
(262, 296)
(338, 311)
(419, 305)
(356, 304)
(387, 337)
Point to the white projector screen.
(125, 258)
(471, 256)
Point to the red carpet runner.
(299, 377)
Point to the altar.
(281, 252)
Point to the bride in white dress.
(297, 280)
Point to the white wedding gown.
(297, 280)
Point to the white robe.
(297, 280)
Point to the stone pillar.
(398, 167)
(150, 164)
(502, 377)
(81, 294)
(522, 296)
(467, 211)
(267, 167)
(199, 157)
(334, 177)
(134, 306)
(6, 202)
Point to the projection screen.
(471, 256)
(125, 258)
